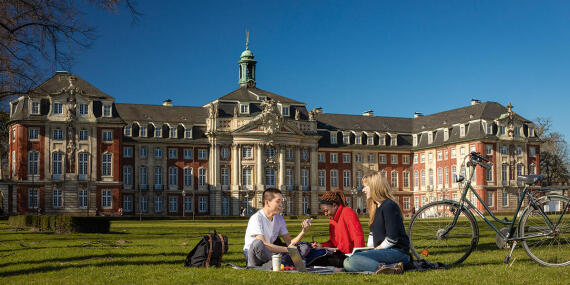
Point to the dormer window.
(489, 128)
(517, 131)
(244, 108)
(530, 132)
(83, 109)
(333, 138)
(158, 132)
(370, 140)
(106, 110)
(57, 108)
(35, 108)
(445, 134)
(462, 130)
(173, 133)
(143, 132)
(415, 140)
(501, 130)
(430, 137)
(285, 110)
(188, 133)
(382, 140)
(262, 98)
(358, 139)
(346, 138)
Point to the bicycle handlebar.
(477, 158)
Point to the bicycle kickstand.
(510, 252)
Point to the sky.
(393, 57)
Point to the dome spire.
(247, 40)
(247, 66)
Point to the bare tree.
(553, 154)
(41, 35)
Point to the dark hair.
(269, 194)
(333, 197)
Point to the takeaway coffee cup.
(276, 262)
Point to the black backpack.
(208, 252)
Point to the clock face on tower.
(251, 84)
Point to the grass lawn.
(155, 251)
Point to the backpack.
(208, 252)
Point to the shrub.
(62, 224)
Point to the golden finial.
(510, 107)
(247, 40)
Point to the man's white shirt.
(259, 224)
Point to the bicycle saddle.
(529, 179)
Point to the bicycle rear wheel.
(429, 241)
(550, 246)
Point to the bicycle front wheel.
(547, 243)
(431, 240)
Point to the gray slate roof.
(60, 81)
(244, 94)
(363, 123)
(159, 113)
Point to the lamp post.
(183, 202)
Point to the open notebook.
(359, 249)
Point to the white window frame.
(346, 178)
(334, 178)
(244, 108)
(202, 154)
(83, 109)
(34, 134)
(188, 153)
(107, 110)
(83, 135)
(322, 178)
(107, 136)
(57, 108)
(58, 134)
(107, 199)
(107, 164)
(35, 108)
(334, 157)
(334, 137)
(202, 176)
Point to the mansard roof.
(248, 94)
(159, 113)
(60, 81)
(364, 123)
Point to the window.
(446, 171)
(358, 157)
(58, 134)
(430, 137)
(35, 108)
(143, 152)
(305, 205)
(57, 200)
(143, 132)
(188, 133)
(57, 164)
(415, 158)
(107, 136)
(127, 175)
(158, 201)
(358, 139)
(127, 151)
(128, 131)
(406, 179)
(247, 177)
(83, 160)
(504, 150)
(405, 159)
(158, 132)
(57, 108)
(370, 140)
(462, 130)
(83, 109)
(202, 153)
(453, 153)
(346, 157)
(225, 206)
(305, 179)
(225, 176)
(532, 169)
(106, 164)
(285, 111)
(519, 150)
(33, 159)
(143, 177)
(270, 177)
(416, 179)
(289, 155)
(246, 152)
(454, 171)
(517, 131)
(305, 155)
(430, 157)
(440, 176)
(532, 151)
(172, 204)
(106, 199)
(446, 154)
(415, 140)
(334, 178)
(489, 129)
(322, 179)
(33, 133)
(489, 174)
(188, 204)
(106, 110)
(346, 178)
(158, 177)
(519, 170)
(504, 173)
(321, 157)
(173, 132)
(83, 135)
(489, 149)
(346, 138)
(423, 174)
(423, 158)
(334, 157)
(172, 176)
(334, 138)
(157, 152)
(394, 159)
(406, 203)
(144, 204)
(501, 130)
(33, 201)
(358, 178)
(530, 132)
(188, 153)
(172, 153)
(244, 108)
(505, 199)
(371, 157)
(203, 204)
(270, 152)
(128, 203)
(445, 134)
(439, 155)
(188, 176)
(490, 198)
(382, 140)
(462, 151)
(417, 202)
(202, 177)
(82, 198)
(394, 178)
(289, 177)
(225, 153)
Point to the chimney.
(418, 114)
(475, 101)
(368, 113)
(167, 103)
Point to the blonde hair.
(380, 190)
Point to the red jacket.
(345, 230)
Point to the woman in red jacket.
(344, 226)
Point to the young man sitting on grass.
(263, 229)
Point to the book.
(359, 249)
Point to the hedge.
(62, 224)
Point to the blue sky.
(396, 57)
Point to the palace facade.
(74, 150)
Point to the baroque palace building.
(74, 150)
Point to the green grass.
(155, 252)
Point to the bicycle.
(447, 232)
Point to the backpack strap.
(209, 251)
(222, 249)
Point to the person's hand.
(316, 245)
(306, 224)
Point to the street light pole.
(183, 202)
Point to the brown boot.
(397, 268)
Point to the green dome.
(246, 53)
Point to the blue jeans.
(371, 260)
